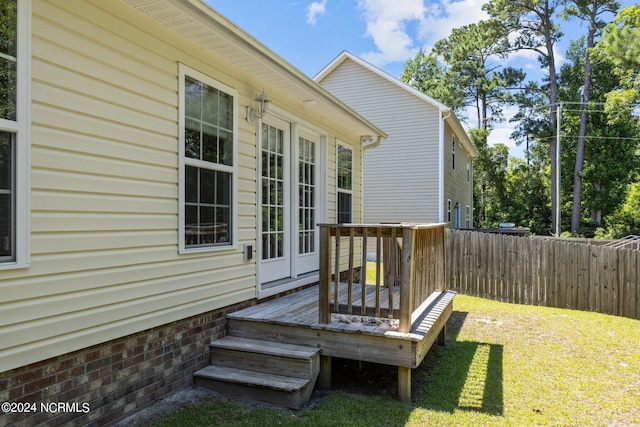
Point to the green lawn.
(504, 364)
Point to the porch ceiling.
(199, 23)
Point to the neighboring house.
(142, 196)
(423, 172)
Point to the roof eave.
(457, 127)
(264, 58)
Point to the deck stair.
(277, 373)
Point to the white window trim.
(22, 129)
(453, 153)
(341, 190)
(468, 216)
(449, 211)
(184, 71)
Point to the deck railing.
(409, 266)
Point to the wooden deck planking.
(301, 309)
(294, 319)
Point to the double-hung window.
(208, 155)
(453, 154)
(467, 217)
(345, 184)
(14, 130)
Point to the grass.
(504, 365)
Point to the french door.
(289, 195)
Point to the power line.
(594, 111)
(603, 137)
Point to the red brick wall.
(115, 378)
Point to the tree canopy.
(600, 165)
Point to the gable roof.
(198, 22)
(445, 111)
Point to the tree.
(489, 180)
(621, 38)
(590, 12)
(611, 158)
(626, 220)
(425, 73)
(472, 53)
(471, 75)
(530, 22)
(527, 193)
(620, 44)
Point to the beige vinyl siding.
(104, 219)
(401, 175)
(104, 191)
(456, 186)
(104, 177)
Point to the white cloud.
(450, 15)
(388, 25)
(316, 8)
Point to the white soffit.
(199, 23)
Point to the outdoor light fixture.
(366, 138)
(262, 105)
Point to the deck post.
(404, 384)
(324, 303)
(442, 336)
(406, 280)
(324, 378)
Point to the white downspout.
(373, 144)
(441, 167)
(365, 148)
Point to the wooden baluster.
(363, 274)
(416, 273)
(336, 288)
(350, 289)
(390, 267)
(378, 244)
(420, 264)
(426, 287)
(324, 310)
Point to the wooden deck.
(394, 321)
(293, 319)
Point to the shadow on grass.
(462, 375)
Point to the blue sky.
(311, 33)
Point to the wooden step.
(279, 390)
(266, 356)
(265, 347)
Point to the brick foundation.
(115, 378)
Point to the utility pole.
(558, 123)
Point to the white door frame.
(279, 204)
(305, 263)
(298, 274)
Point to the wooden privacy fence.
(548, 272)
(414, 269)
